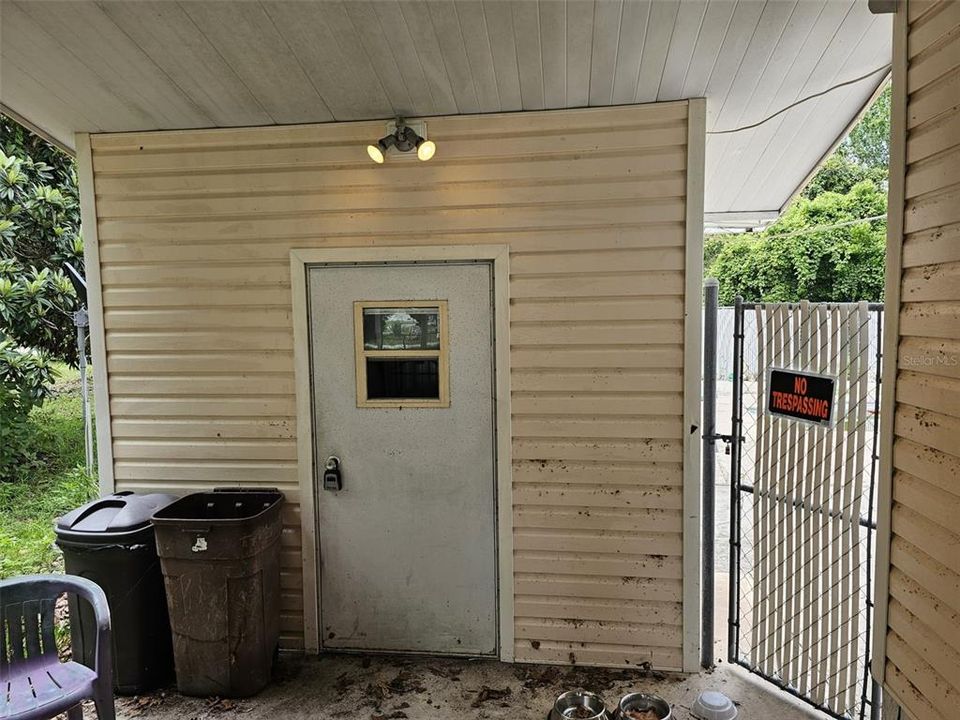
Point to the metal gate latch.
(726, 439)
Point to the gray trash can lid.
(118, 514)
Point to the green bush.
(839, 175)
(39, 232)
(792, 260)
(25, 377)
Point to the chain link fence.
(802, 529)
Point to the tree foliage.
(39, 231)
(25, 376)
(787, 262)
(839, 175)
(868, 144)
(822, 248)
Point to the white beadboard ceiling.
(120, 65)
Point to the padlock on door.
(332, 479)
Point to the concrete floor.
(391, 687)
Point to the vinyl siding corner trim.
(98, 343)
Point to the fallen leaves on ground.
(488, 693)
(533, 677)
(139, 704)
(401, 684)
(222, 705)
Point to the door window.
(401, 353)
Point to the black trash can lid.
(118, 514)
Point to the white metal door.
(408, 545)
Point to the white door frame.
(300, 261)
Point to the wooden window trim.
(442, 355)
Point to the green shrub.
(810, 253)
(39, 232)
(25, 377)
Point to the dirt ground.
(394, 688)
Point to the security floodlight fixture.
(404, 138)
(426, 149)
(377, 152)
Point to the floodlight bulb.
(426, 150)
(375, 153)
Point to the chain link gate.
(802, 505)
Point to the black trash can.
(111, 542)
(220, 553)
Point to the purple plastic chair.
(34, 684)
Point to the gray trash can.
(111, 542)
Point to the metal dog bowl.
(642, 701)
(579, 705)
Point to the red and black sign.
(803, 396)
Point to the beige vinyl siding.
(922, 662)
(195, 231)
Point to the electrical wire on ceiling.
(855, 80)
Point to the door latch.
(332, 480)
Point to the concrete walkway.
(390, 687)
